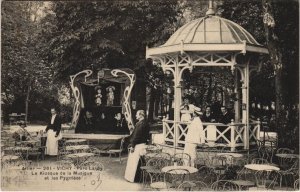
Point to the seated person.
(21, 134)
(216, 106)
(225, 116)
(89, 120)
(208, 116)
(121, 124)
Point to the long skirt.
(133, 161)
(191, 149)
(52, 143)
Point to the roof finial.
(210, 10)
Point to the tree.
(107, 33)
(273, 23)
(23, 69)
(280, 58)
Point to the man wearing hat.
(195, 135)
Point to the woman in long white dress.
(195, 135)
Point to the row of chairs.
(219, 168)
(154, 162)
(281, 179)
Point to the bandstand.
(212, 41)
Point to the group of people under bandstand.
(213, 113)
(189, 113)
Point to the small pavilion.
(215, 42)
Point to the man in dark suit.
(140, 134)
(137, 146)
(53, 133)
(226, 116)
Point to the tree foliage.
(39, 52)
(24, 71)
(276, 25)
(107, 33)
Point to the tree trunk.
(151, 105)
(276, 60)
(27, 102)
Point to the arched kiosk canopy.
(215, 42)
(94, 112)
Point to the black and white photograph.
(150, 95)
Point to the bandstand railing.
(232, 135)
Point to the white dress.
(195, 135)
(186, 116)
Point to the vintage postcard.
(146, 95)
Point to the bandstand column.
(177, 102)
(237, 104)
(245, 104)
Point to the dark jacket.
(56, 126)
(140, 134)
(225, 119)
(206, 118)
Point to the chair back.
(148, 156)
(225, 185)
(266, 179)
(158, 163)
(176, 176)
(163, 155)
(220, 161)
(206, 174)
(296, 165)
(239, 162)
(284, 151)
(259, 161)
(154, 149)
(182, 159)
(192, 186)
(246, 174)
(201, 160)
(296, 184)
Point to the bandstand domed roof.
(210, 33)
(211, 29)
